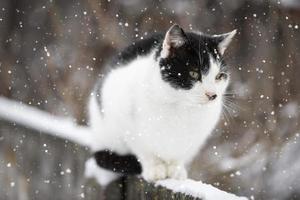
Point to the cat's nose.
(211, 96)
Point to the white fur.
(163, 126)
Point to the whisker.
(230, 92)
(226, 114)
(233, 104)
(233, 95)
(229, 98)
(231, 107)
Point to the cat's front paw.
(177, 172)
(154, 173)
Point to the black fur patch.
(123, 164)
(138, 48)
(192, 56)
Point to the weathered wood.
(115, 190)
(139, 189)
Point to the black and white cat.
(161, 100)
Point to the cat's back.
(122, 68)
(127, 73)
(138, 48)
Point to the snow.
(102, 176)
(197, 189)
(42, 121)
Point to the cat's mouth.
(201, 100)
(208, 101)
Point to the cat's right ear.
(174, 38)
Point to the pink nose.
(211, 96)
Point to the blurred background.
(52, 51)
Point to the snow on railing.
(135, 188)
(42, 121)
(197, 189)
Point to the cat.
(160, 101)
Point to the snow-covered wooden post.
(135, 188)
(139, 189)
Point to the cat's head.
(192, 64)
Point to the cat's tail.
(31, 117)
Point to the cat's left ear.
(224, 40)
(174, 38)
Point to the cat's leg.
(153, 168)
(176, 170)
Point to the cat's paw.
(177, 172)
(155, 172)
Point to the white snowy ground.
(65, 128)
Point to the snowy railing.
(134, 188)
(34, 165)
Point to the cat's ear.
(174, 38)
(224, 40)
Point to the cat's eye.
(221, 76)
(194, 74)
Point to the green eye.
(221, 76)
(194, 74)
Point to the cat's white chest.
(174, 132)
